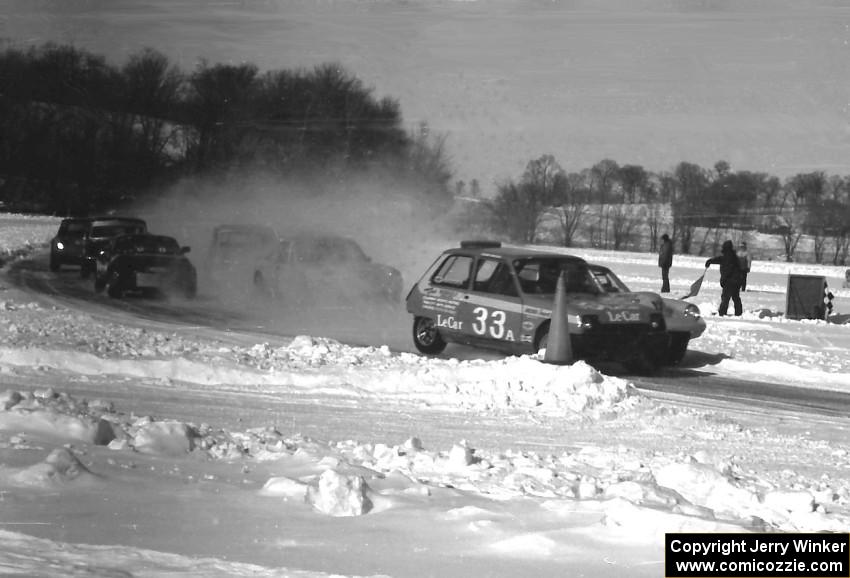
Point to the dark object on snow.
(807, 297)
(665, 261)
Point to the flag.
(692, 292)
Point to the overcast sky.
(764, 85)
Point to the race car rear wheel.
(85, 270)
(190, 290)
(426, 338)
(99, 283)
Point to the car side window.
(579, 280)
(454, 272)
(494, 277)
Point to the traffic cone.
(559, 349)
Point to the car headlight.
(588, 322)
(60, 245)
(692, 311)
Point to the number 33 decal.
(486, 321)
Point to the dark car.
(68, 246)
(316, 268)
(683, 320)
(101, 231)
(146, 261)
(486, 295)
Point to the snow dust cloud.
(395, 224)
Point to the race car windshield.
(330, 250)
(539, 275)
(609, 281)
(242, 239)
(75, 229)
(160, 245)
(115, 230)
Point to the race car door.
(492, 309)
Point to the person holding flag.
(731, 277)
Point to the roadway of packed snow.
(89, 486)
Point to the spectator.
(746, 261)
(665, 261)
(730, 278)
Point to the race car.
(100, 232)
(486, 295)
(684, 320)
(311, 269)
(234, 252)
(146, 261)
(68, 246)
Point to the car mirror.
(184, 250)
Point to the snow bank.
(353, 479)
(57, 339)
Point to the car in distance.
(313, 268)
(101, 231)
(684, 320)
(68, 246)
(145, 261)
(486, 295)
(234, 251)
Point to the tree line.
(79, 135)
(613, 206)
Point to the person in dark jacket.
(730, 278)
(665, 261)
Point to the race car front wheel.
(55, 264)
(426, 338)
(114, 286)
(677, 348)
(541, 340)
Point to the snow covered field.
(138, 449)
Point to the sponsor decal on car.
(623, 316)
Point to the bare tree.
(691, 182)
(635, 181)
(792, 218)
(217, 99)
(519, 208)
(571, 207)
(151, 95)
(623, 221)
(603, 176)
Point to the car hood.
(609, 308)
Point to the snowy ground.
(134, 449)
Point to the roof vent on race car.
(475, 244)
